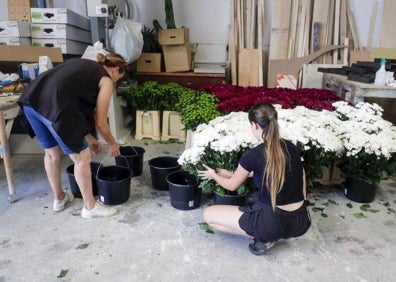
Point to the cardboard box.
(14, 29)
(177, 57)
(16, 41)
(64, 31)
(173, 36)
(67, 46)
(18, 10)
(12, 56)
(59, 15)
(149, 62)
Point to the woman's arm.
(304, 186)
(102, 107)
(230, 183)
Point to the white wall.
(208, 21)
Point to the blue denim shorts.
(46, 135)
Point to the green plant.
(197, 107)
(169, 16)
(146, 97)
(150, 39)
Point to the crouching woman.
(280, 211)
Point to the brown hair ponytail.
(113, 60)
(265, 116)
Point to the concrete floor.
(149, 240)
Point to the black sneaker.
(259, 247)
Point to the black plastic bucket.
(131, 157)
(114, 184)
(234, 200)
(183, 190)
(72, 180)
(160, 167)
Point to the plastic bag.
(126, 39)
(92, 51)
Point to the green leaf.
(62, 273)
(373, 210)
(323, 214)
(205, 227)
(83, 246)
(359, 215)
(316, 209)
(391, 210)
(365, 207)
(349, 205)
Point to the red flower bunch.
(234, 98)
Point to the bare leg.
(82, 174)
(52, 158)
(224, 218)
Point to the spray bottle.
(380, 75)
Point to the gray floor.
(149, 240)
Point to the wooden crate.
(172, 127)
(148, 125)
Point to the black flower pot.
(183, 190)
(160, 167)
(114, 184)
(359, 191)
(234, 200)
(132, 157)
(75, 189)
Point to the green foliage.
(368, 167)
(315, 161)
(150, 40)
(196, 107)
(151, 96)
(169, 16)
(228, 161)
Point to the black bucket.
(234, 200)
(183, 190)
(73, 184)
(160, 167)
(131, 157)
(114, 184)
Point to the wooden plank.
(248, 67)
(319, 16)
(336, 32)
(387, 35)
(293, 29)
(343, 29)
(260, 31)
(372, 24)
(280, 26)
(352, 24)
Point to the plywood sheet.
(388, 34)
(248, 74)
(280, 29)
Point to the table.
(8, 111)
(355, 92)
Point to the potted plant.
(219, 145)
(370, 149)
(146, 100)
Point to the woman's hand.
(207, 174)
(114, 150)
(93, 144)
(224, 172)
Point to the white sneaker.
(60, 205)
(99, 210)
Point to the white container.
(380, 75)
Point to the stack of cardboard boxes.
(15, 33)
(62, 28)
(175, 48)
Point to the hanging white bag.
(126, 39)
(92, 51)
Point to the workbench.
(8, 111)
(355, 92)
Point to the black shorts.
(266, 224)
